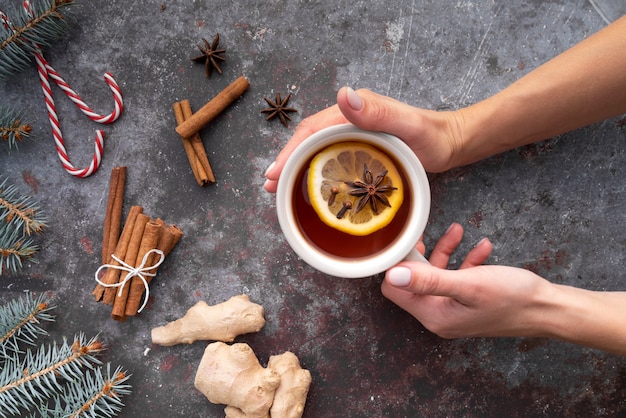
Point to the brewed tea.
(341, 244)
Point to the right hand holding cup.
(476, 300)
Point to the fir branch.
(19, 41)
(32, 381)
(19, 211)
(94, 396)
(14, 249)
(20, 322)
(14, 126)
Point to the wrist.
(562, 313)
(487, 128)
(585, 317)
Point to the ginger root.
(232, 375)
(290, 396)
(221, 322)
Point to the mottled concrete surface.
(554, 207)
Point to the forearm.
(583, 85)
(592, 319)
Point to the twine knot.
(140, 271)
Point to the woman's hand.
(473, 301)
(433, 136)
(491, 301)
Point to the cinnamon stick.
(174, 234)
(113, 215)
(132, 291)
(110, 294)
(112, 275)
(196, 168)
(169, 237)
(197, 145)
(213, 108)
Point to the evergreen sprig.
(20, 217)
(53, 381)
(98, 395)
(14, 126)
(48, 23)
(14, 248)
(19, 211)
(21, 320)
(28, 382)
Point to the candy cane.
(108, 78)
(56, 126)
(46, 72)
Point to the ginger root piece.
(232, 412)
(295, 381)
(232, 375)
(221, 322)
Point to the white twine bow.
(140, 271)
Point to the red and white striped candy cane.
(46, 72)
(44, 66)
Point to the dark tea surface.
(337, 243)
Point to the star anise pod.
(210, 55)
(370, 190)
(278, 108)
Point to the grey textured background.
(554, 207)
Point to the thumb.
(370, 111)
(424, 279)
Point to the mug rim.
(365, 266)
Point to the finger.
(375, 112)
(421, 247)
(422, 307)
(403, 298)
(428, 133)
(270, 185)
(425, 279)
(440, 256)
(478, 255)
(327, 117)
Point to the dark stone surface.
(554, 207)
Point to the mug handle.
(415, 255)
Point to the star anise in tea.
(210, 55)
(370, 191)
(278, 109)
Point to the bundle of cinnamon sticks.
(140, 235)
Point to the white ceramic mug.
(403, 246)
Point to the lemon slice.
(354, 188)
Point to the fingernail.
(449, 228)
(399, 276)
(269, 168)
(354, 100)
(482, 241)
(267, 182)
